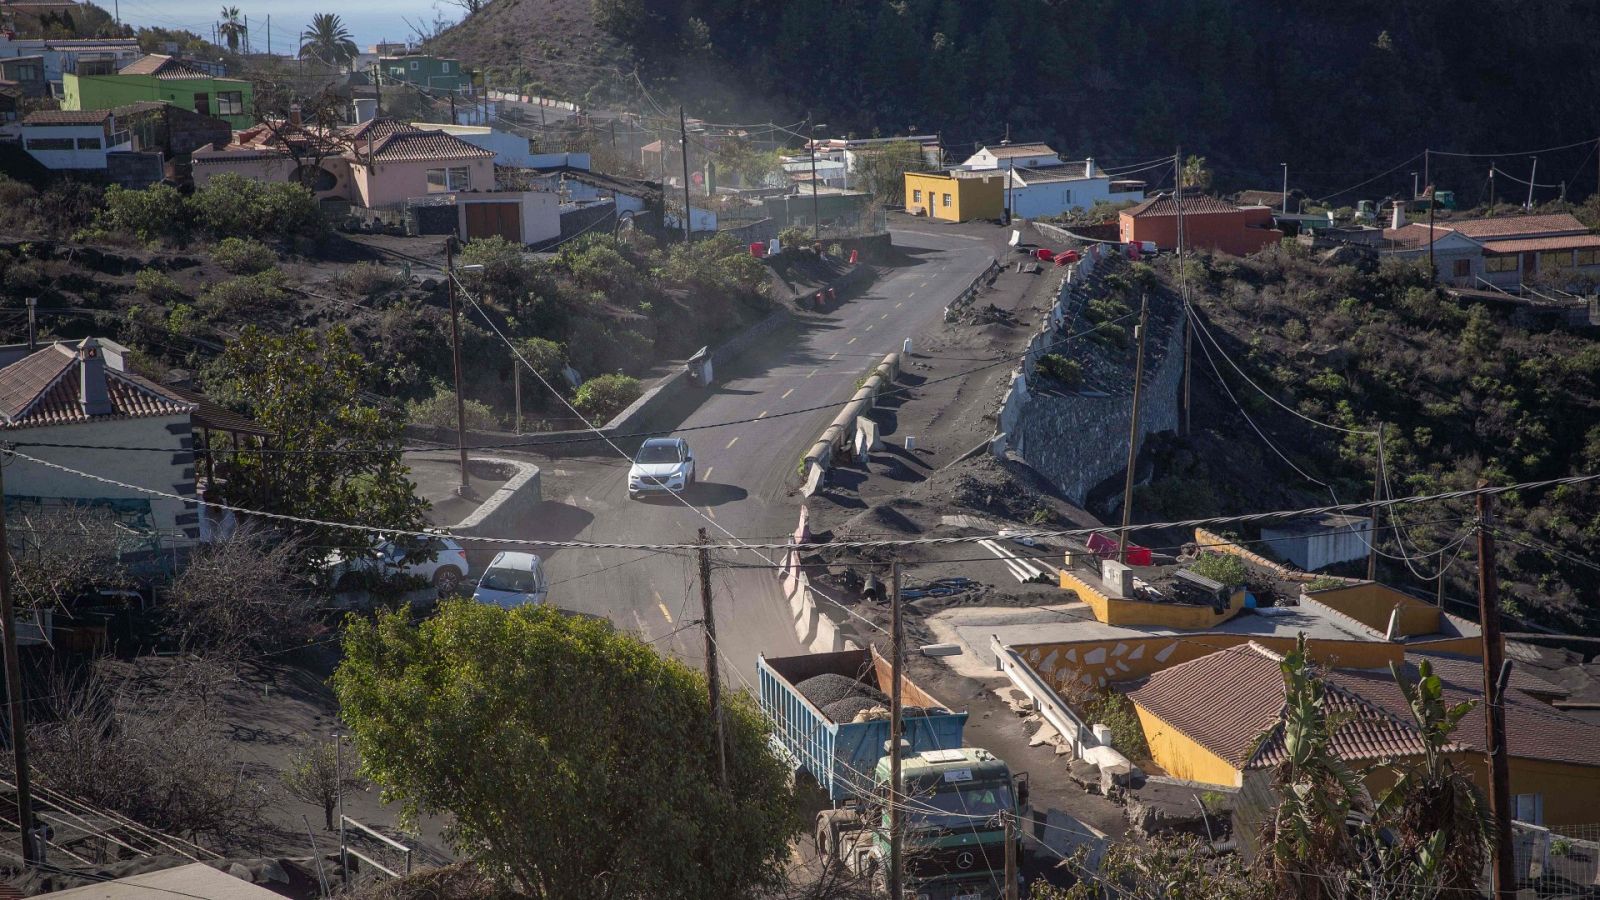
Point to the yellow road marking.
(787, 393)
(731, 443)
(664, 613)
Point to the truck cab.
(954, 806)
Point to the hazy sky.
(369, 21)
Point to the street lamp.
(816, 220)
(451, 273)
(1285, 187)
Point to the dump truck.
(954, 798)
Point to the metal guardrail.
(1044, 698)
(345, 848)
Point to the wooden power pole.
(688, 208)
(19, 726)
(1010, 817)
(1378, 476)
(713, 681)
(455, 355)
(896, 728)
(1505, 881)
(1133, 431)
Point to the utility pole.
(1415, 191)
(19, 727)
(455, 355)
(33, 324)
(269, 34)
(896, 726)
(1285, 210)
(1010, 817)
(1011, 175)
(1433, 238)
(816, 216)
(713, 681)
(247, 35)
(1183, 283)
(1133, 431)
(1491, 188)
(377, 91)
(516, 393)
(1532, 177)
(1427, 176)
(683, 140)
(1377, 494)
(1504, 881)
(453, 119)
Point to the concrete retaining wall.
(515, 500)
(841, 432)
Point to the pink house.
(414, 163)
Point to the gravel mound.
(847, 709)
(828, 688)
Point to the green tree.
(574, 760)
(305, 388)
(1196, 174)
(1225, 568)
(883, 170)
(232, 28)
(439, 411)
(604, 396)
(328, 41)
(152, 214)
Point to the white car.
(439, 561)
(662, 464)
(512, 579)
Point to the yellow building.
(1217, 719)
(956, 196)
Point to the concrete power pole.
(683, 140)
(713, 681)
(1378, 476)
(1133, 431)
(1505, 880)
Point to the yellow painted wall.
(1371, 603)
(1121, 611)
(1175, 752)
(970, 198)
(1461, 646)
(1109, 660)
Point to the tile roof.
(43, 389)
(165, 68)
(377, 128)
(403, 146)
(1192, 206)
(67, 117)
(1517, 226)
(1231, 703)
(1568, 242)
(1415, 234)
(1006, 151)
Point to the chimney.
(1399, 220)
(1088, 168)
(92, 379)
(294, 114)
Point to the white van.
(512, 579)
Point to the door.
(491, 219)
(1463, 271)
(202, 104)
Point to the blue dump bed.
(842, 756)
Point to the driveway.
(746, 472)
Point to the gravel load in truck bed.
(829, 688)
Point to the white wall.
(71, 159)
(985, 159)
(168, 473)
(1052, 198)
(541, 212)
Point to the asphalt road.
(746, 472)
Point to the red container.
(1068, 256)
(758, 249)
(1044, 255)
(855, 256)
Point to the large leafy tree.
(327, 39)
(343, 456)
(573, 760)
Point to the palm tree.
(328, 40)
(232, 29)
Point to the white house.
(1037, 192)
(74, 139)
(830, 173)
(525, 217)
(92, 56)
(83, 395)
(850, 151)
(1013, 156)
(509, 149)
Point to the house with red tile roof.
(1219, 719)
(1521, 248)
(1208, 223)
(61, 400)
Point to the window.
(230, 103)
(50, 144)
(1529, 808)
(1589, 257)
(1555, 259)
(202, 104)
(916, 196)
(415, 65)
(1506, 263)
(444, 67)
(441, 181)
(89, 144)
(946, 199)
(28, 72)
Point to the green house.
(426, 71)
(165, 79)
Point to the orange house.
(1208, 223)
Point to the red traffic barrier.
(855, 256)
(819, 300)
(1105, 547)
(833, 295)
(1044, 255)
(1061, 259)
(1068, 256)
(1133, 250)
(758, 249)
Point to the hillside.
(550, 47)
(1341, 89)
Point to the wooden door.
(491, 219)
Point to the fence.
(1557, 862)
(347, 852)
(971, 291)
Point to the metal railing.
(346, 850)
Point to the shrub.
(717, 265)
(439, 411)
(182, 319)
(1323, 582)
(507, 272)
(156, 213)
(602, 397)
(794, 237)
(233, 206)
(369, 280)
(157, 285)
(545, 356)
(244, 256)
(1225, 568)
(1067, 372)
(245, 294)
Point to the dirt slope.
(555, 42)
